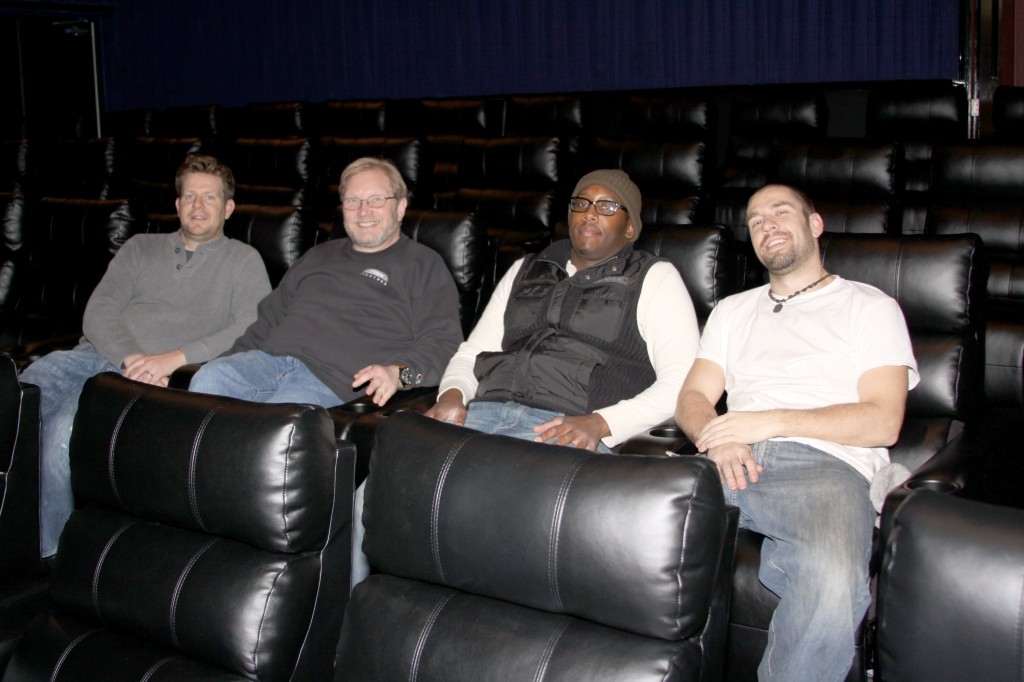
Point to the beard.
(373, 241)
(780, 263)
(787, 260)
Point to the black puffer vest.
(571, 343)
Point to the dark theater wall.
(158, 54)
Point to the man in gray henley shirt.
(165, 300)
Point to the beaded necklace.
(787, 299)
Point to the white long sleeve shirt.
(665, 319)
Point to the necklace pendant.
(777, 308)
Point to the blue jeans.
(60, 377)
(818, 521)
(504, 419)
(263, 378)
(511, 419)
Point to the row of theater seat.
(453, 525)
(914, 174)
(977, 190)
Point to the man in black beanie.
(586, 343)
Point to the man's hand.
(381, 382)
(582, 432)
(153, 369)
(736, 427)
(736, 463)
(449, 408)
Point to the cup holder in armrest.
(938, 486)
(666, 431)
(362, 405)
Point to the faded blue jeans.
(818, 521)
(263, 378)
(511, 419)
(60, 377)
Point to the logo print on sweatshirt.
(374, 273)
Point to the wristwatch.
(406, 378)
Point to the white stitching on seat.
(556, 530)
(284, 487)
(263, 616)
(67, 651)
(193, 503)
(99, 567)
(549, 650)
(156, 666)
(421, 641)
(327, 544)
(113, 443)
(435, 545)
(173, 614)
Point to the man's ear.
(403, 203)
(229, 208)
(630, 230)
(817, 224)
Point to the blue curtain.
(158, 54)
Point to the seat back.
(561, 115)
(271, 120)
(949, 594)
(274, 171)
(705, 256)
(513, 185)
(15, 229)
(920, 117)
(281, 234)
(979, 188)
(152, 164)
(19, 475)
(71, 243)
(670, 174)
(853, 183)
(939, 282)
(1008, 113)
(91, 168)
(211, 540)
(497, 558)
(359, 118)
(467, 251)
(15, 166)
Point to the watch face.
(405, 376)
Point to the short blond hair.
(398, 186)
(201, 163)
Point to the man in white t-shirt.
(816, 369)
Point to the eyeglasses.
(602, 206)
(355, 203)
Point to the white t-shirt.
(811, 354)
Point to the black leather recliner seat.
(498, 558)
(211, 541)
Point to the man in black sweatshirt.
(376, 312)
